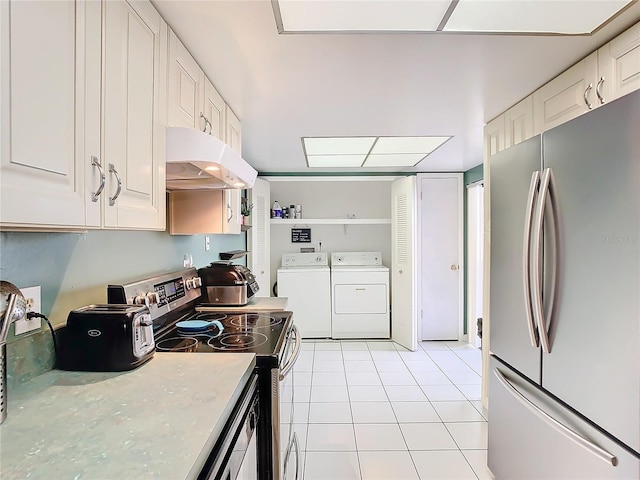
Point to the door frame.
(460, 184)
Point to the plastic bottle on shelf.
(276, 211)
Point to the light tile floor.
(372, 410)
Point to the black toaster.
(106, 338)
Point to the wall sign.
(300, 235)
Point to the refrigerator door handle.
(526, 257)
(538, 220)
(555, 424)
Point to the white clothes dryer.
(359, 295)
(305, 279)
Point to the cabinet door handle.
(598, 90)
(96, 163)
(229, 213)
(586, 96)
(206, 122)
(112, 200)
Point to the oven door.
(289, 459)
(234, 456)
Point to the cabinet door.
(233, 135)
(259, 235)
(232, 202)
(494, 136)
(42, 100)
(133, 135)
(186, 87)
(233, 138)
(619, 65)
(214, 110)
(567, 96)
(519, 122)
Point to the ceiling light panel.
(338, 145)
(335, 161)
(394, 160)
(361, 15)
(539, 16)
(421, 145)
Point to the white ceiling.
(285, 87)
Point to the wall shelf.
(330, 221)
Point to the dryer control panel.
(361, 259)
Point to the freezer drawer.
(526, 445)
(360, 299)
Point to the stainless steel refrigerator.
(564, 391)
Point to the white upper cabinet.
(494, 136)
(215, 111)
(518, 122)
(619, 65)
(567, 96)
(44, 65)
(233, 137)
(133, 133)
(86, 90)
(186, 87)
(193, 100)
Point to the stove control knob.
(152, 298)
(188, 283)
(140, 300)
(197, 281)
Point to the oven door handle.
(294, 356)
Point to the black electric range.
(172, 299)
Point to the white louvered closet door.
(403, 265)
(258, 236)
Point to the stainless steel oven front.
(285, 445)
(234, 456)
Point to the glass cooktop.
(261, 333)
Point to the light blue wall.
(74, 269)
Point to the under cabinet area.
(194, 212)
(83, 145)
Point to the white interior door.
(441, 256)
(259, 235)
(475, 243)
(403, 266)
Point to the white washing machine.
(359, 295)
(305, 279)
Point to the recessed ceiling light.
(394, 160)
(338, 145)
(422, 145)
(551, 17)
(344, 15)
(564, 17)
(342, 152)
(335, 161)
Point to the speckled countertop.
(254, 304)
(159, 421)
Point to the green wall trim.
(343, 174)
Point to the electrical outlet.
(32, 296)
(207, 244)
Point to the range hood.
(199, 161)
